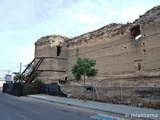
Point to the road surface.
(25, 108)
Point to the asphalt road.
(25, 108)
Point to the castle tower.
(54, 52)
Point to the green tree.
(84, 67)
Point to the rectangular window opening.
(138, 65)
(135, 32)
(58, 50)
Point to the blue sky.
(25, 21)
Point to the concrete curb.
(69, 104)
(120, 110)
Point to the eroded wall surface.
(53, 67)
(119, 55)
(127, 52)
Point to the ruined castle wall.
(121, 56)
(53, 67)
(151, 45)
(107, 54)
(119, 53)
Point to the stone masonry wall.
(118, 55)
(53, 67)
(127, 55)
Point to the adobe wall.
(118, 55)
(121, 60)
(53, 67)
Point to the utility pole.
(84, 89)
(20, 68)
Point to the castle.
(128, 52)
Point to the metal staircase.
(33, 73)
(31, 76)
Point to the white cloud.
(83, 17)
(130, 14)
